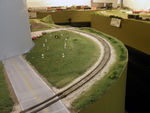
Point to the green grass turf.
(112, 12)
(6, 103)
(37, 25)
(101, 86)
(80, 54)
(47, 19)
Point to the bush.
(48, 19)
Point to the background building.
(103, 3)
(137, 4)
(36, 3)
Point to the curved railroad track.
(78, 84)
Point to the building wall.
(36, 3)
(97, 5)
(137, 4)
(107, 1)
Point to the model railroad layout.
(78, 84)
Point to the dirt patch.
(35, 25)
(16, 109)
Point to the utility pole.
(121, 3)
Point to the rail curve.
(78, 84)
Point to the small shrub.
(122, 57)
(47, 19)
(114, 75)
(75, 39)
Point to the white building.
(114, 2)
(137, 4)
(36, 3)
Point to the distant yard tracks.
(81, 82)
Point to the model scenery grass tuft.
(6, 103)
(67, 55)
(48, 19)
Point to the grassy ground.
(6, 103)
(113, 12)
(37, 25)
(101, 86)
(62, 65)
(47, 19)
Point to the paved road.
(29, 88)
